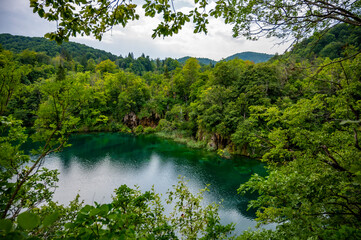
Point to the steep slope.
(79, 52)
(331, 44)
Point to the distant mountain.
(205, 61)
(251, 56)
(77, 51)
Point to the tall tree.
(10, 77)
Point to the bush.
(123, 128)
(139, 129)
(163, 125)
(224, 153)
(132, 214)
(148, 130)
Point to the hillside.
(251, 56)
(77, 51)
(330, 44)
(205, 61)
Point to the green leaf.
(28, 220)
(94, 212)
(41, 13)
(69, 225)
(50, 219)
(86, 209)
(5, 225)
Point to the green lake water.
(96, 164)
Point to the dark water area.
(96, 164)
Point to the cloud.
(17, 18)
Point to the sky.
(17, 18)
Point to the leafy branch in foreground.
(23, 183)
(131, 215)
(31, 185)
(250, 18)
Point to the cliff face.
(131, 120)
(151, 121)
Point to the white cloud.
(17, 18)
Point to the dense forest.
(72, 50)
(299, 112)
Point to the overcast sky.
(17, 18)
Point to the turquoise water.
(96, 164)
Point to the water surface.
(96, 164)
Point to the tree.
(227, 72)
(183, 80)
(313, 154)
(106, 66)
(131, 214)
(32, 184)
(90, 66)
(10, 78)
(297, 18)
(29, 189)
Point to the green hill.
(205, 61)
(330, 44)
(77, 51)
(251, 56)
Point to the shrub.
(139, 129)
(123, 128)
(163, 125)
(148, 130)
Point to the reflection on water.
(96, 164)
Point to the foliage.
(191, 219)
(10, 77)
(148, 130)
(106, 66)
(313, 159)
(136, 215)
(297, 18)
(301, 116)
(20, 187)
(163, 125)
(78, 52)
(337, 42)
(139, 129)
(46, 222)
(131, 215)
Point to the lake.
(96, 164)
